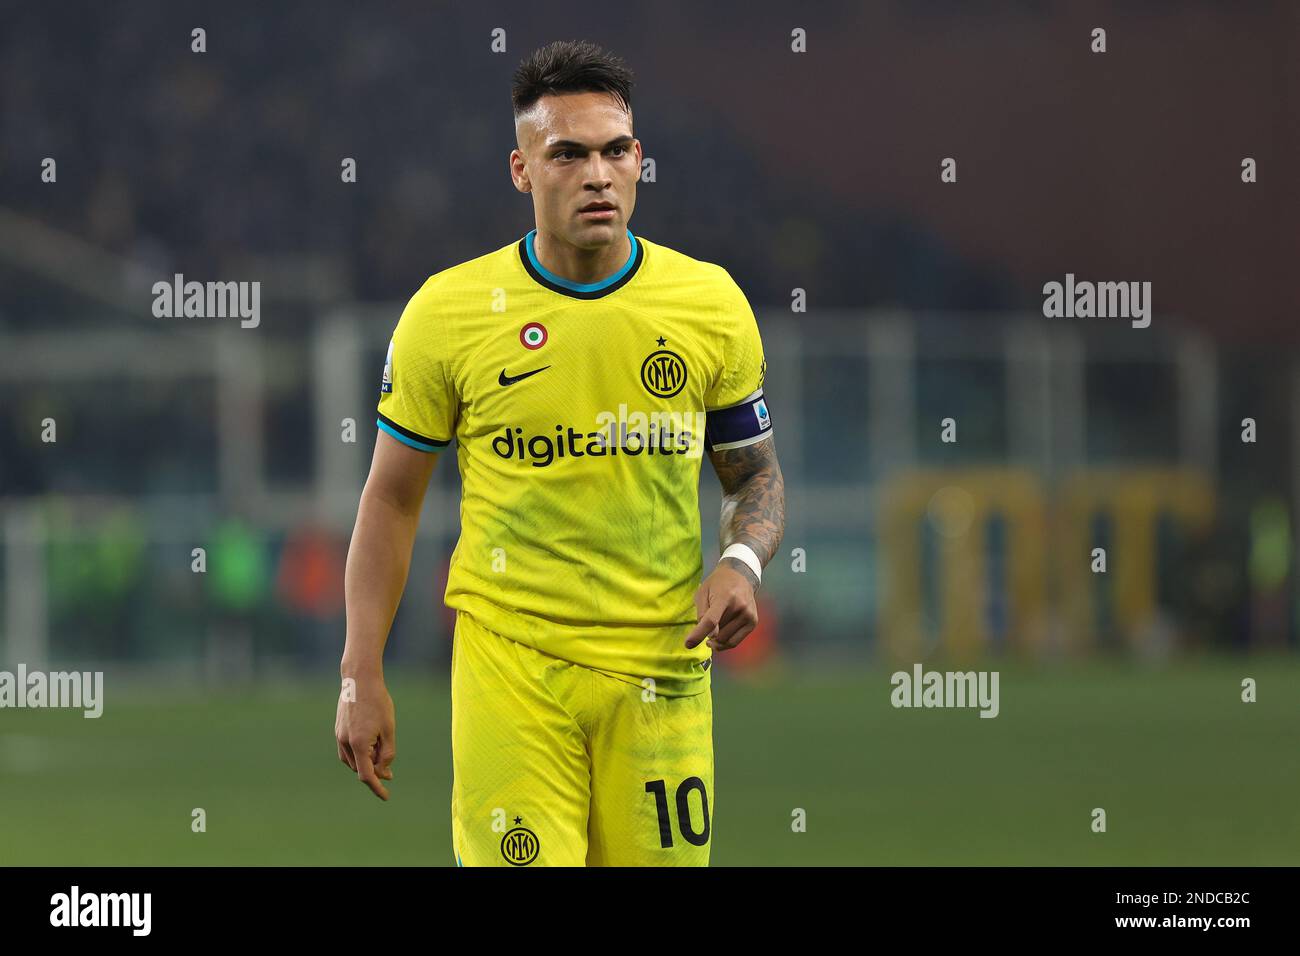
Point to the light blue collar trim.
(580, 286)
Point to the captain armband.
(738, 425)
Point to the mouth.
(599, 210)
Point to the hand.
(366, 732)
(725, 603)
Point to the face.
(575, 150)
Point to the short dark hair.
(570, 66)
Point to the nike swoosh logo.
(505, 379)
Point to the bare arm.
(379, 560)
(753, 513)
(379, 557)
(753, 501)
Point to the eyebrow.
(623, 140)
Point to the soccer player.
(583, 372)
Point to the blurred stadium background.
(819, 172)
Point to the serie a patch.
(386, 385)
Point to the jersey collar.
(580, 290)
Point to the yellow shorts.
(556, 764)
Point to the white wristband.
(746, 554)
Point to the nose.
(597, 175)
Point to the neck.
(581, 265)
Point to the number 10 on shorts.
(685, 826)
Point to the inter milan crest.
(663, 373)
(533, 335)
(520, 846)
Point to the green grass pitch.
(1186, 772)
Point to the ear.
(519, 172)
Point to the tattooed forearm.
(753, 499)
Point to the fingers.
(366, 768)
(702, 629)
(707, 627)
(386, 754)
(379, 758)
(734, 628)
(739, 617)
(701, 600)
(725, 619)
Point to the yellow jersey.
(580, 413)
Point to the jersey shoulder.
(668, 263)
(468, 279)
(446, 315)
(703, 287)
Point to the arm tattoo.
(753, 500)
